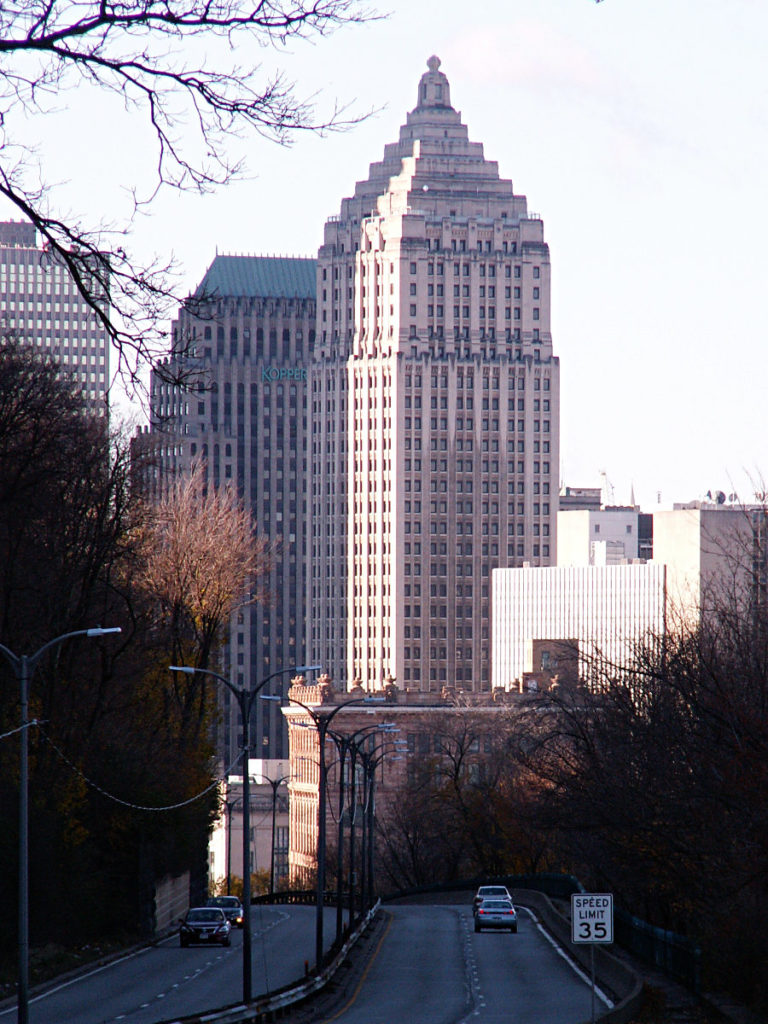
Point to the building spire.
(434, 90)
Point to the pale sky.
(638, 129)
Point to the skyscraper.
(435, 407)
(246, 336)
(42, 307)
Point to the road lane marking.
(569, 960)
(360, 984)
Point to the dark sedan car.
(205, 925)
(232, 907)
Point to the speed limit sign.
(592, 917)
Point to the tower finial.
(434, 90)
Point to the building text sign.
(592, 917)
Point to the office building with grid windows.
(435, 402)
(246, 336)
(41, 306)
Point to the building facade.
(268, 823)
(42, 307)
(400, 740)
(435, 401)
(602, 536)
(593, 612)
(716, 556)
(247, 336)
(566, 622)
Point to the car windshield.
(496, 905)
(492, 890)
(204, 916)
(224, 901)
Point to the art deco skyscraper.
(435, 401)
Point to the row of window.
(463, 269)
(464, 291)
(489, 382)
(463, 312)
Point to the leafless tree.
(656, 785)
(466, 807)
(147, 55)
(200, 559)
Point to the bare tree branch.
(173, 63)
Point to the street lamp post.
(322, 724)
(275, 784)
(371, 760)
(23, 667)
(346, 743)
(245, 699)
(229, 806)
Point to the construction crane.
(610, 498)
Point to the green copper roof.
(284, 277)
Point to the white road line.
(569, 960)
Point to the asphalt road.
(427, 964)
(165, 981)
(422, 963)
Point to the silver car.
(491, 913)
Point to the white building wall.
(607, 609)
(41, 305)
(708, 552)
(586, 537)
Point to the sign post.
(592, 923)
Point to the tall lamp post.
(23, 667)
(346, 743)
(275, 784)
(322, 724)
(245, 699)
(371, 760)
(229, 806)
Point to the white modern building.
(714, 554)
(588, 612)
(597, 536)
(268, 809)
(554, 621)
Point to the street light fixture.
(23, 667)
(275, 784)
(245, 699)
(347, 743)
(371, 759)
(322, 723)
